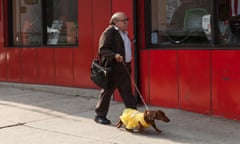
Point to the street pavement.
(37, 114)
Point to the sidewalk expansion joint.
(12, 125)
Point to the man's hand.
(119, 58)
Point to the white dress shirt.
(127, 45)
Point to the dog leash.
(135, 85)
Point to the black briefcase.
(100, 75)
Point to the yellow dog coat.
(131, 118)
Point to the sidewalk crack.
(12, 125)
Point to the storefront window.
(179, 21)
(44, 22)
(62, 26)
(229, 21)
(27, 22)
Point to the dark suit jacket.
(111, 43)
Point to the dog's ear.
(151, 115)
(148, 117)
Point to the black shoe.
(102, 120)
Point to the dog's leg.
(155, 127)
(119, 124)
(140, 129)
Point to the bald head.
(116, 16)
(120, 20)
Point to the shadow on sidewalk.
(185, 127)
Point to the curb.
(55, 89)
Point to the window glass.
(179, 22)
(44, 22)
(62, 26)
(229, 21)
(27, 22)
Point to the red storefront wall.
(3, 61)
(66, 66)
(177, 78)
(204, 81)
(194, 80)
(225, 83)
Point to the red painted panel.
(83, 54)
(89, 33)
(225, 83)
(64, 66)
(102, 13)
(194, 80)
(3, 59)
(3, 64)
(163, 78)
(45, 63)
(14, 62)
(144, 75)
(29, 65)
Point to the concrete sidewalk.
(31, 116)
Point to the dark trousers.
(122, 82)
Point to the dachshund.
(135, 120)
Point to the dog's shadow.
(145, 132)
